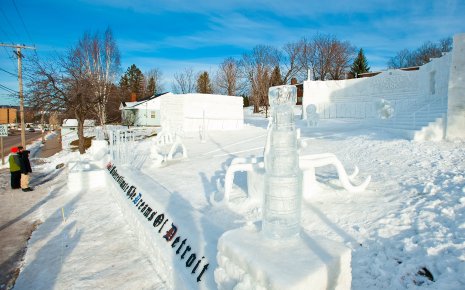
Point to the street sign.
(3, 130)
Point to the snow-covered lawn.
(406, 230)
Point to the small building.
(145, 112)
(8, 115)
(71, 125)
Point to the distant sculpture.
(312, 116)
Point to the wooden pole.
(1, 148)
(21, 98)
(20, 79)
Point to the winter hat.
(14, 149)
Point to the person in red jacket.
(15, 168)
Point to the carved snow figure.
(312, 116)
(384, 109)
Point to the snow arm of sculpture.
(307, 162)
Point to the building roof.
(141, 101)
(74, 123)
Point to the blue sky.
(172, 35)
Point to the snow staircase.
(424, 122)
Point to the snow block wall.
(190, 112)
(456, 100)
(165, 230)
(357, 98)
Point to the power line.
(7, 89)
(8, 72)
(29, 76)
(6, 34)
(8, 37)
(22, 21)
(8, 22)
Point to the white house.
(145, 112)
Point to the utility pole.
(20, 79)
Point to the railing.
(122, 144)
(412, 117)
(427, 108)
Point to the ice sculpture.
(283, 193)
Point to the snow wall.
(456, 100)
(190, 112)
(357, 98)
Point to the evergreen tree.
(276, 79)
(131, 83)
(204, 85)
(360, 64)
(150, 90)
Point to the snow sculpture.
(156, 153)
(312, 116)
(384, 109)
(250, 165)
(308, 163)
(177, 144)
(284, 152)
(156, 156)
(283, 193)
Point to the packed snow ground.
(409, 223)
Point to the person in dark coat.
(25, 169)
(15, 168)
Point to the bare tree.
(101, 60)
(128, 117)
(256, 68)
(184, 81)
(445, 44)
(401, 59)
(326, 56)
(290, 65)
(342, 55)
(307, 57)
(421, 55)
(63, 84)
(227, 77)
